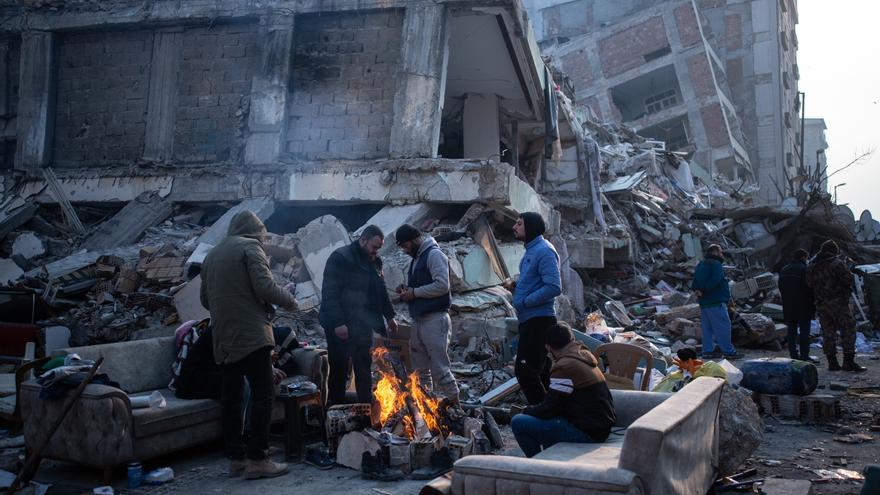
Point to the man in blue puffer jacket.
(713, 291)
(533, 295)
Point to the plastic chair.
(623, 360)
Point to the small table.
(297, 432)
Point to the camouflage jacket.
(831, 281)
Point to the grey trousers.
(428, 346)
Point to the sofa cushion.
(177, 414)
(504, 475)
(138, 365)
(605, 455)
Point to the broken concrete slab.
(391, 217)
(586, 252)
(263, 207)
(28, 245)
(188, 303)
(307, 296)
(779, 486)
(82, 259)
(199, 254)
(15, 214)
(317, 241)
(126, 226)
(9, 271)
(352, 447)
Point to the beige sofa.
(103, 431)
(670, 446)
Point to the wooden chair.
(623, 359)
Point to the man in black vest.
(427, 294)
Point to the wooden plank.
(500, 393)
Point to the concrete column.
(36, 104)
(267, 119)
(162, 97)
(418, 100)
(4, 78)
(481, 126)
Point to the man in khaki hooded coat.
(238, 290)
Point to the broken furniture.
(103, 431)
(623, 360)
(669, 446)
(298, 433)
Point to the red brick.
(578, 69)
(700, 75)
(733, 31)
(734, 72)
(714, 124)
(688, 26)
(627, 49)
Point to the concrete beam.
(162, 97)
(418, 99)
(36, 105)
(393, 182)
(268, 109)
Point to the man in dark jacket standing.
(533, 298)
(578, 407)
(713, 292)
(354, 304)
(832, 284)
(797, 305)
(239, 291)
(428, 297)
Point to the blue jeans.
(533, 433)
(716, 329)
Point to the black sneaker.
(711, 355)
(732, 357)
(441, 463)
(373, 468)
(318, 459)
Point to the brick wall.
(578, 69)
(103, 78)
(626, 50)
(342, 85)
(700, 75)
(216, 67)
(713, 123)
(688, 27)
(733, 31)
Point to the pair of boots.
(849, 363)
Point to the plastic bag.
(711, 368)
(734, 375)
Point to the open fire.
(405, 408)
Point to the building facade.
(815, 145)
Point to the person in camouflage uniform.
(832, 283)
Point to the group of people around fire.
(563, 382)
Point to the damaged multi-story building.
(318, 103)
(714, 78)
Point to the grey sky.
(841, 77)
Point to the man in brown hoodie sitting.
(578, 407)
(239, 291)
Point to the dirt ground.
(791, 449)
(801, 448)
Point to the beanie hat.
(534, 225)
(830, 247)
(406, 232)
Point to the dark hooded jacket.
(578, 393)
(797, 297)
(239, 291)
(354, 294)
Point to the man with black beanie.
(533, 296)
(428, 297)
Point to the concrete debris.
(262, 207)
(742, 429)
(28, 245)
(317, 241)
(130, 223)
(9, 271)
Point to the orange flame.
(392, 395)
